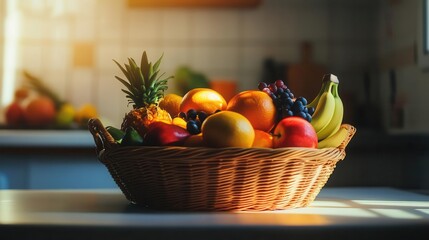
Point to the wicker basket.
(181, 178)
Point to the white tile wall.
(59, 29)
(30, 57)
(82, 87)
(111, 20)
(176, 25)
(105, 54)
(56, 56)
(215, 24)
(143, 24)
(222, 43)
(84, 29)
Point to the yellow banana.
(325, 81)
(337, 117)
(324, 110)
(336, 139)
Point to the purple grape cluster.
(194, 119)
(284, 101)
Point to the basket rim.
(105, 143)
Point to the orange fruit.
(84, 113)
(194, 141)
(227, 129)
(257, 107)
(262, 140)
(203, 99)
(171, 104)
(40, 112)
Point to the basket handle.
(351, 131)
(102, 138)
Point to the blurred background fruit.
(21, 94)
(226, 88)
(187, 79)
(14, 115)
(203, 99)
(41, 88)
(227, 129)
(84, 113)
(171, 103)
(65, 116)
(40, 112)
(256, 106)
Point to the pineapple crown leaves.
(144, 86)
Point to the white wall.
(222, 43)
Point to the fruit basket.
(200, 178)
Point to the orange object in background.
(40, 112)
(227, 88)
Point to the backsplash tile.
(83, 54)
(78, 40)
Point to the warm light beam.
(11, 33)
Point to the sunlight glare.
(395, 213)
(11, 33)
(393, 203)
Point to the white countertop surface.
(337, 213)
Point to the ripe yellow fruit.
(179, 122)
(85, 112)
(65, 115)
(203, 99)
(171, 104)
(227, 129)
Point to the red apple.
(40, 112)
(294, 132)
(14, 114)
(162, 134)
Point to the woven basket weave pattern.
(183, 178)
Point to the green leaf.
(126, 84)
(157, 63)
(131, 78)
(144, 65)
(133, 68)
(122, 69)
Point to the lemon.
(65, 115)
(227, 129)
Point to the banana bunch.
(328, 113)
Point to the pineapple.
(144, 90)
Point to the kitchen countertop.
(46, 138)
(337, 213)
